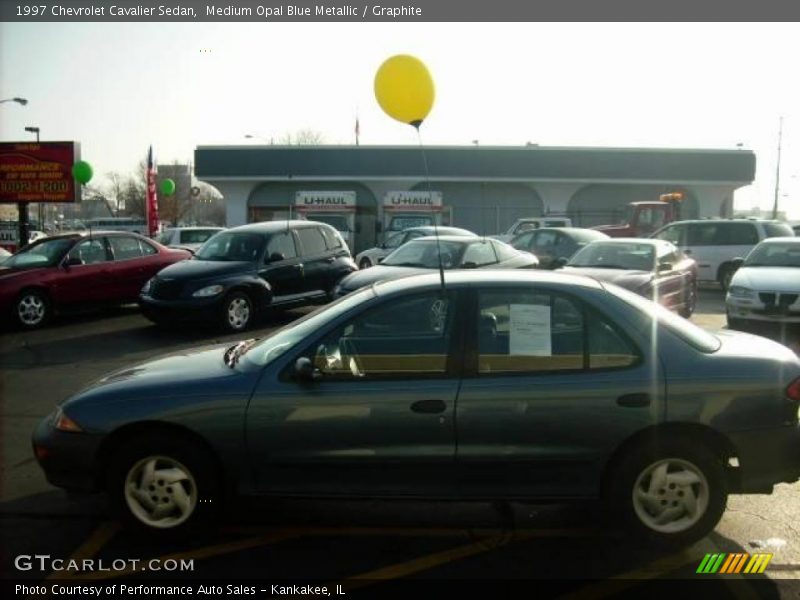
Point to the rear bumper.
(766, 457)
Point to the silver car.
(371, 257)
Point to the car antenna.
(430, 195)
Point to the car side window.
(529, 332)
(125, 247)
(281, 243)
(523, 242)
(544, 239)
(311, 241)
(479, 254)
(703, 234)
(407, 337)
(395, 241)
(333, 240)
(90, 252)
(741, 234)
(147, 249)
(670, 234)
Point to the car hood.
(202, 269)
(770, 279)
(192, 372)
(11, 272)
(630, 280)
(378, 273)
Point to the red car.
(78, 270)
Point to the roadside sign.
(38, 172)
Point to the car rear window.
(778, 230)
(689, 332)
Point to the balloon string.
(430, 196)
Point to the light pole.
(250, 136)
(33, 130)
(22, 207)
(21, 101)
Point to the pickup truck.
(642, 218)
(528, 223)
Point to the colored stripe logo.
(734, 563)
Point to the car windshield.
(46, 253)
(615, 255)
(406, 221)
(286, 338)
(425, 254)
(232, 246)
(774, 254)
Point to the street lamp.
(33, 130)
(21, 101)
(249, 136)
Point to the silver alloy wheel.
(160, 492)
(671, 495)
(238, 312)
(31, 309)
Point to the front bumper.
(171, 311)
(755, 309)
(67, 459)
(766, 458)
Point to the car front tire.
(237, 312)
(689, 302)
(32, 309)
(670, 494)
(725, 275)
(163, 484)
(364, 263)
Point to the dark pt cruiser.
(499, 384)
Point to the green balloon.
(82, 172)
(167, 187)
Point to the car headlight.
(146, 287)
(63, 423)
(738, 291)
(208, 291)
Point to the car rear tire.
(725, 275)
(364, 263)
(237, 311)
(32, 309)
(165, 485)
(689, 302)
(669, 494)
(737, 324)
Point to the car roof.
(273, 226)
(445, 228)
(634, 240)
(785, 240)
(194, 228)
(462, 239)
(722, 220)
(571, 231)
(465, 278)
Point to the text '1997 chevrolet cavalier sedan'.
(509, 384)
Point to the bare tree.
(303, 137)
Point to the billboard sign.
(316, 201)
(38, 172)
(413, 201)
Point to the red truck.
(643, 218)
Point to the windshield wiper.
(602, 266)
(235, 352)
(406, 264)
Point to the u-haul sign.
(416, 201)
(315, 201)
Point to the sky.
(118, 87)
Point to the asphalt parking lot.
(356, 544)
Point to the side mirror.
(304, 370)
(561, 261)
(469, 265)
(276, 257)
(72, 261)
(662, 267)
(737, 262)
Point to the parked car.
(654, 269)
(766, 287)
(552, 243)
(449, 251)
(78, 270)
(531, 223)
(241, 271)
(188, 238)
(373, 256)
(4, 254)
(714, 243)
(499, 384)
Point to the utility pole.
(778, 171)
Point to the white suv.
(714, 243)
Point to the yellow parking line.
(98, 538)
(205, 552)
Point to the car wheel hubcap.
(160, 492)
(238, 313)
(670, 496)
(31, 310)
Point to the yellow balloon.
(404, 89)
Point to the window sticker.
(529, 330)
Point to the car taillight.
(793, 391)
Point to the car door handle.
(430, 407)
(634, 400)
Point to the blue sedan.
(492, 384)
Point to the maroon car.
(78, 270)
(655, 269)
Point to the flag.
(358, 131)
(151, 204)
